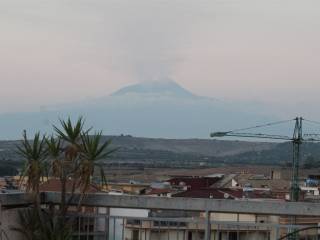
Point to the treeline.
(9, 168)
(281, 155)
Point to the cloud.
(147, 37)
(61, 51)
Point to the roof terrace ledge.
(13, 200)
(193, 204)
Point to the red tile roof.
(194, 182)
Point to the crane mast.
(297, 139)
(296, 159)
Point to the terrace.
(143, 218)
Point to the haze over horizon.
(264, 52)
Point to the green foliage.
(35, 154)
(54, 146)
(69, 132)
(91, 152)
(72, 155)
(29, 225)
(9, 168)
(54, 149)
(311, 162)
(42, 225)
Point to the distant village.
(250, 183)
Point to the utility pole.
(297, 139)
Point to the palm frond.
(92, 151)
(70, 132)
(54, 146)
(34, 154)
(103, 178)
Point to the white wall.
(9, 219)
(116, 225)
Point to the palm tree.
(71, 134)
(29, 224)
(92, 151)
(72, 154)
(54, 151)
(44, 226)
(35, 154)
(83, 153)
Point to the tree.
(90, 155)
(71, 154)
(35, 155)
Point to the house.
(21, 182)
(260, 182)
(134, 188)
(159, 192)
(190, 183)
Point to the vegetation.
(167, 153)
(9, 168)
(311, 162)
(72, 156)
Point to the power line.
(312, 121)
(263, 125)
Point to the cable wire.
(263, 125)
(311, 121)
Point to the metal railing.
(200, 226)
(104, 227)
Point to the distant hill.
(157, 152)
(213, 148)
(193, 147)
(149, 109)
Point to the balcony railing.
(202, 225)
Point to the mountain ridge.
(150, 109)
(154, 152)
(165, 87)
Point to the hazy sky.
(54, 51)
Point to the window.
(135, 235)
(168, 224)
(233, 236)
(134, 222)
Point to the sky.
(263, 51)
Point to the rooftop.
(226, 193)
(194, 182)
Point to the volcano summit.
(148, 109)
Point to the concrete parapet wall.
(9, 220)
(15, 199)
(193, 204)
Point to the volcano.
(161, 109)
(166, 87)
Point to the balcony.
(112, 217)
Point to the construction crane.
(297, 139)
